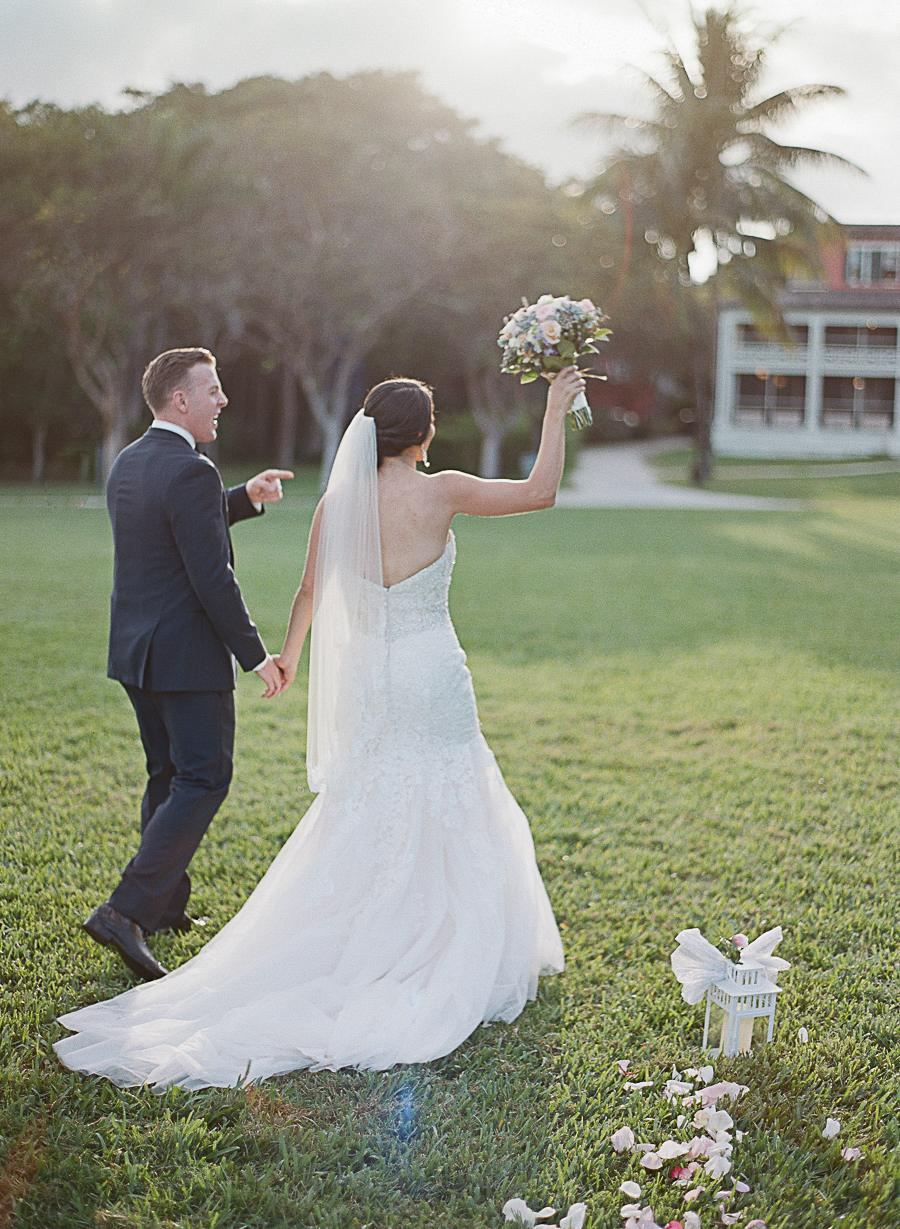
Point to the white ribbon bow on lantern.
(697, 964)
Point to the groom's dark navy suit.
(178, 622)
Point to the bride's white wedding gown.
(406, 908)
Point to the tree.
(114, 208)
(700, 170)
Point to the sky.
(523, 69)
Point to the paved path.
(621, 476)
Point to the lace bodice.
(419, 603)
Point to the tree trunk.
(286, 445)
(704, 353)
(38, 452)
(332, 430)
(491, 451)
(115, 437)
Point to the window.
(748, 335)
(860, 337)
(857, 403)
(769, 400)
(873, 264)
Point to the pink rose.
(587, 305)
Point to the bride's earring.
(424, 458)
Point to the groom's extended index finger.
(278, 473)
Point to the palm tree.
(700, 171)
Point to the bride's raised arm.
(504, 497)
(302, 609)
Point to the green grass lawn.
(699, 713)
(675, 466)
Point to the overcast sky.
(522, 68)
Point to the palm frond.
(773, 153)
(787, 103)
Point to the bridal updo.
(402, 409)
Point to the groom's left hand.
(265, 488)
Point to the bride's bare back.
(415, 509)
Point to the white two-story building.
(835, 392)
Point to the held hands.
(564, 388)
(273, 676)
(288, 668)
(265, 488)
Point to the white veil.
(348, 641)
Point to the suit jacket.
(178, 620)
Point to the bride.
(407, 907)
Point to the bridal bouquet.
(542, 338)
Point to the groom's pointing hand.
(265, 488)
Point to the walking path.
(621, 476)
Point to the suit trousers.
(188, 738)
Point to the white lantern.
(740, 998)
(744, 995)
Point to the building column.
(815, 368)
(893, 438)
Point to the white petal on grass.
(637, 1085)
(717, 1166)
(756, 1224)
(803, 1035)
(623, 1139)
(631, 1189)
(719, 1120)
(692, 1221)
(832, 1128)
(706, 1074)
(574, 1218)
(671, 1149)
(691, 1195)
(851, 1154)
(644, 1148)
(518, 1210)
(545, 1214)
(630, 1209)
(681, 1120)
(730, 1218)
(623, 1064)
(652, 1160)
(742, 1188)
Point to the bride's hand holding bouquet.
(544, 338)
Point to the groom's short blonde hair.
(169, 370)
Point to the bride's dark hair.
(402, 409)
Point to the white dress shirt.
(163, 425)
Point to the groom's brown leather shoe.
(111, 928)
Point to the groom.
(178, 623)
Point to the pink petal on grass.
(652, 1160)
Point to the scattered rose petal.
(742, 1188)
(544, 1214)
(692, 1195)
(680, 1120)
(623, 1064)
(674, 1224)
(832, 1128)
(739, 940)
(730, 1218)
(720, 1195)
(719, 1120)
(717, 1166)
(652, 1160)
(631, 1189)
(692, 1221)
(803, 1035)
(756, 1224)
(676, 1088)
(518, 1210)
(637, 1085)
(739, 1135)
(671, 1149)
(705, 1074)
(700, 1119)
(851, 1154)
(644, 1148)
(630, 1209)
(725, 1088)
(574, 1218)
(623, 1139)
(680, 1175)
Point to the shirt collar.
(162, 425)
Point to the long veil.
(347, 665)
